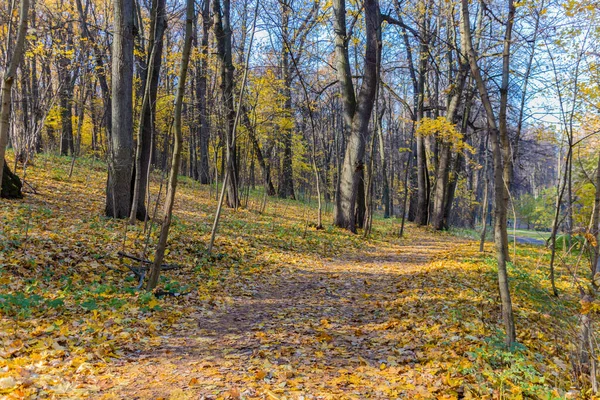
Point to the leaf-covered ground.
(280, 311)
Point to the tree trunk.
(503, 126)
(406, 213)
(66, 99)
(8, 80)
(485, 202)
(38, 111)
(451, 192)
(11, 185)
(596, 218)
(443, 170)
(20, 135)
(172, 185)
(361, 204)
(357, 113)
(385, 195)
(66, 117)
(147, 115)
(501, 194)
(370, 171)
(222, 29)
(201, 93)
(236, 120)
(118, 188)
(286, 183)
(559, 199)
(264, 164)
(422, 211)
(439, 196)
(100, 70)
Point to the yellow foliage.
(445, 131)
(53, 118)
(268, 114)
(279, 308)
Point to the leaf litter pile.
(278, 311)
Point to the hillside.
(278, 311)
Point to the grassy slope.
(476, 234)
(529, 234)
(68, 312)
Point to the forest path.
(530, 241)
(325, 329)
(281, 310)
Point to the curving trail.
(281, 311)
(331, 329)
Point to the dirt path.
(531, 241)
(297, 333)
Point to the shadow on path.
(293, 330)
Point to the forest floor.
(279, 311)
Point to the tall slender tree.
(145, 134)
(177, 147)
(203, 128)
(596, 219)
(497, 142)
(222, 28)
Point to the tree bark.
(502, 121)
(264, 164)
(100, 70)
(443, 170)
(485, 202)
(147, 115)
(361, 204)
(286, 183)
(596, 218)
(176, 159)
(385, 191)
(357, 112)
(118, 188)
(461, 158)
(560, 191)
(422, 211)
(66, 97)
(11, 184)
(501, 194)
(236, 120)
(222, 27)
(8, 80)
(201, 93)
